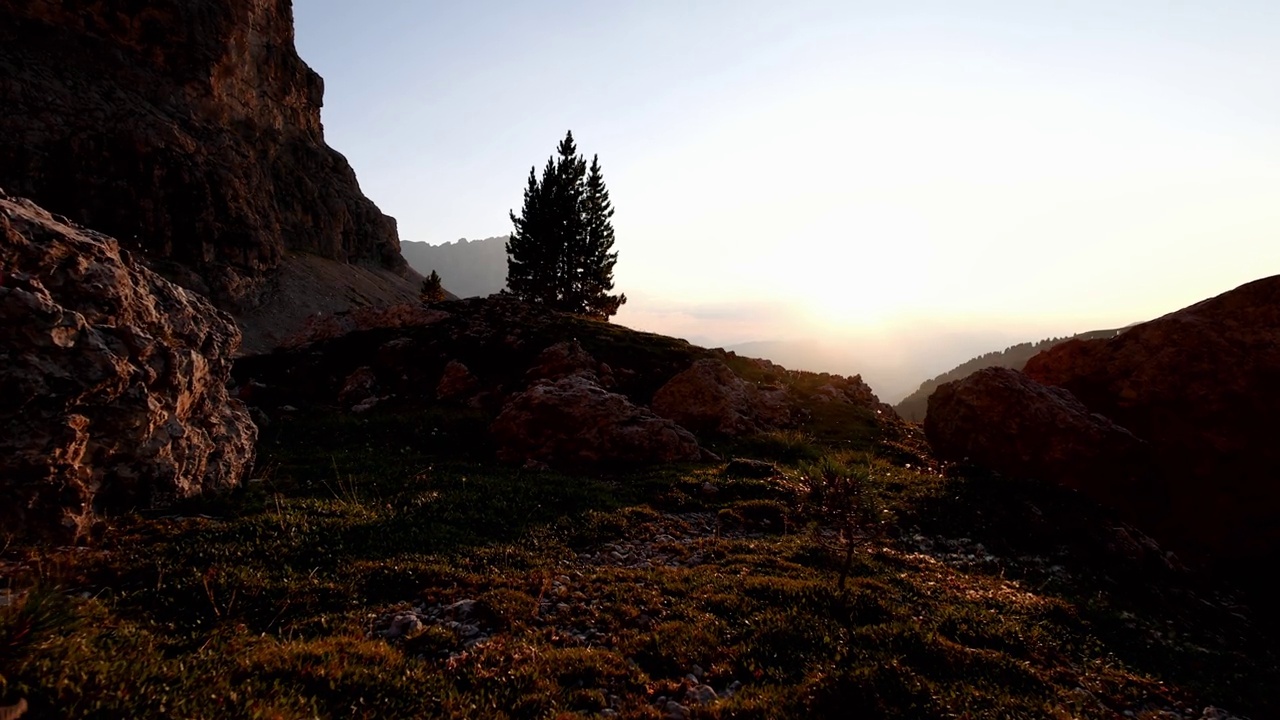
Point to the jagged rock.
(848, 390)
(358, 387)
(1201, 385)
(189, 130)
(456, 383)
(710, 398)
(112, 381)
(573, 423)
(1002, 420)
(565, 359)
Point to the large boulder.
(1002, 420)
(710, 398)
(112, 381)
(1202, 386)
(573, 423)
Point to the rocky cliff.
(188, 129)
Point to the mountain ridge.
(468, 268)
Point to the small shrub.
(837, 495)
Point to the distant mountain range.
(467, 268)
(914, 406)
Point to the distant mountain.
(467, 267)
(915, 405)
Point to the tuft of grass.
(788, 446)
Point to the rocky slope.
(189, 130)
(560, 390)
(112, 380)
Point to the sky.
(896, 185)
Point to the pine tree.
(432, 289)
(560, 253)
(598, 257)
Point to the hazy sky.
(879, 175)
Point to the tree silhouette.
(560, 254)
(432, 289)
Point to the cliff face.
(190, 130)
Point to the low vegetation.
(385, 566)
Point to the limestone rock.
(573, 423)
(1002, 420)
(1201, 385)
(112, 381)
(710, 398)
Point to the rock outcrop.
(574, 424)
(1201, 385)
(710, 398)
(190, 130)
(1002, 420)
(566, 359)
(112, 381)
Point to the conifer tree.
(598, 257)
(432, 289)
(560, 252)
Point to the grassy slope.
(972, 598)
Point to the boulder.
(456, 383)
(1002, 420)
(1201, 385)
(112, 381)
(710, 398)
(573, 424)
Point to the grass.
(263, 604)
